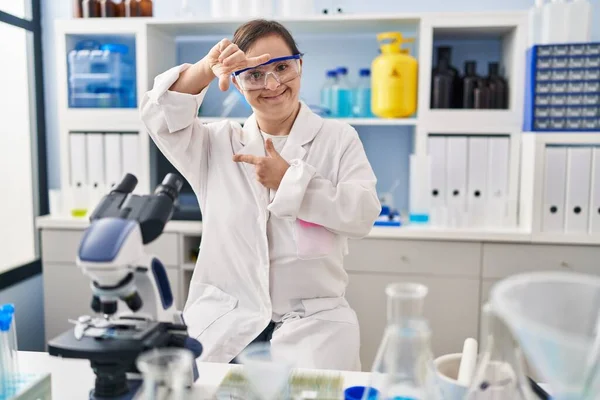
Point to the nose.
(271, 82)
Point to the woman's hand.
(226, 57)
(269, 170)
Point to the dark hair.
(249, 33)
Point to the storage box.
(30, 387)
(563, 88)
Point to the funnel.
(267, 370)
(554, 315)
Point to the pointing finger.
(254, 61)
(246, 158)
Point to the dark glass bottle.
(498, 87)
(482, 95)
(145, 8)
(469, 83)
(442, 95)
(445, 53)
(77, 9)
(129, 8)
(108, 9)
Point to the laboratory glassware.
(554, 316)
(267, 369)
(500, 372)
(445, 53)
(442, 95)
(166, 373)
(498, 87)
(77, 9)
(327, 92)
(362, 95)
(90, 8)
(403, 367)
(469, 84)
(145, 8)
(108, 9)
(342, 95)
(482, 97)
(394, 78)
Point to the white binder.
(112, 159)
(131, 158)
(594, 210)
(95, 160)
(456, 180)
(77, 155)
(437, 153)
(498, 181)
(579, 169)
(555, 177)
(477, 180)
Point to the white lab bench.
(458, 266)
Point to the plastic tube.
(6, 362)
(12, 337)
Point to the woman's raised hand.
(226, 57)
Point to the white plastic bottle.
(535, 23)
(579, 20)
(420, 187)
(555, 28)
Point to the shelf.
(103, 119)
(471, 121)
(351, 121)
(415, 232)
(565, 238)
(315, 24)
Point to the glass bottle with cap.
(403, 367)
(145, 8)
(90, 8)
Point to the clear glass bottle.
(500, 373)
(362, 95)
(342, 95)
(327, 92)
(166, 372)
(403, 368)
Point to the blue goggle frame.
(274, 60)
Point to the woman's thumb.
(224, 82)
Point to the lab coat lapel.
(303, 131)
(254, 145)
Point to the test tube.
(12, 338)
(6, 364)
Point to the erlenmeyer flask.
(403, 367)
(167, 373)
(500, 373)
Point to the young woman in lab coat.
(279, 198)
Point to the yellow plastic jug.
(394, 78)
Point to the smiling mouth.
(276, 96)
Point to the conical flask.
(403, 367)
(500, 373)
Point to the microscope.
(112, 255)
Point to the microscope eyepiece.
(170, 186)
(133, 301)
(127, 184)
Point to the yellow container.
(394, 78)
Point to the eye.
(255, 75)
(281, 67)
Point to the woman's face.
(277, 100)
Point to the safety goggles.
(283, 69)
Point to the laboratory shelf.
(471, 121)
(351, 121)
(416, 232)
(102, 119)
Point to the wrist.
(203, 72)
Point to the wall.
(28, 298)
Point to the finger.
(246, 158)
(236, 58)
(223, 44)
(231, 49)
(224, 82)
(254, 61)
(271, 149)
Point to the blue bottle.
(342, 95)
(362, 95)
(327, 92)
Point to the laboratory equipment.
(394, 78)
(358, 393)
(444, 63)
(420, 187)
(555, 26)
(442, 94)
(108, 9)
(77, 9)
(498, 87)
(535, 23)
(447, 370)
(165, 372)
(267, 369)
(579, 19)
(500, 372)
(145, 8)
(327, 91)
(482, 95)
(468, 361)
(102, 77)
(112, 254)
(554, 316)
(129, 8)
(362, 95)
(469, 83)
(342, 95)
(297, 8)
(403, 366)
(90, 8)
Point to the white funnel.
(554, 315)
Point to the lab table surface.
(73, 379)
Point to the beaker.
(267, 370)
(403, 367)
(500, 373)
(167, 373)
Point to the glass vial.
(403, 366)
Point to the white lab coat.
(235, 292)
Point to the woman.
(279, 198)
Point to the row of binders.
(468, 181)
(571, 194)
(100, 160)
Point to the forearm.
(194, 79)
